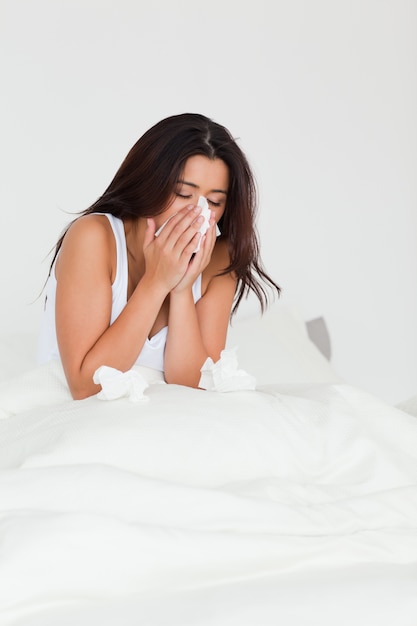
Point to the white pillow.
(275, 348)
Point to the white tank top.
(152, 353)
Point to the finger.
(188, 250)
(149, 232)
(210, 237)
(190, 236)
(179, 223)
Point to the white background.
(322, 96)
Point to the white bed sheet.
(198, 493)
(364, 596)
(295, 503)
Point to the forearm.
(120, 344)
(185, 352)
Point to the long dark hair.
(147, 179)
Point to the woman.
(122, 291)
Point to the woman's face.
(201, 177)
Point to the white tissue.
(224, 375)
(205, 213)
(116, 384)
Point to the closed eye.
(182, 195)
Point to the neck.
(135, 233)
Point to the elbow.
(185, 373)
(183, 379)
(80, 390)
(80, 383)
(80, 394)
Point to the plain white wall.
(322, 96)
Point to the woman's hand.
(168, 256)
(200, 259)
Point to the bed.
(289, 500)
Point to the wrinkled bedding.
(294, 502)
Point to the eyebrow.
(184, 182)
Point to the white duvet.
(290, 504)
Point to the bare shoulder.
(89, 237)
(89, 227)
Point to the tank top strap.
(119, 286)
(197, 288)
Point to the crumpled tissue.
(205, 214)
(116, 384)
(224, 375)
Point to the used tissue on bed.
(116, 384)
(224, 375)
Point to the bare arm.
(83, 309)
(84, 297)
(197, 331)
